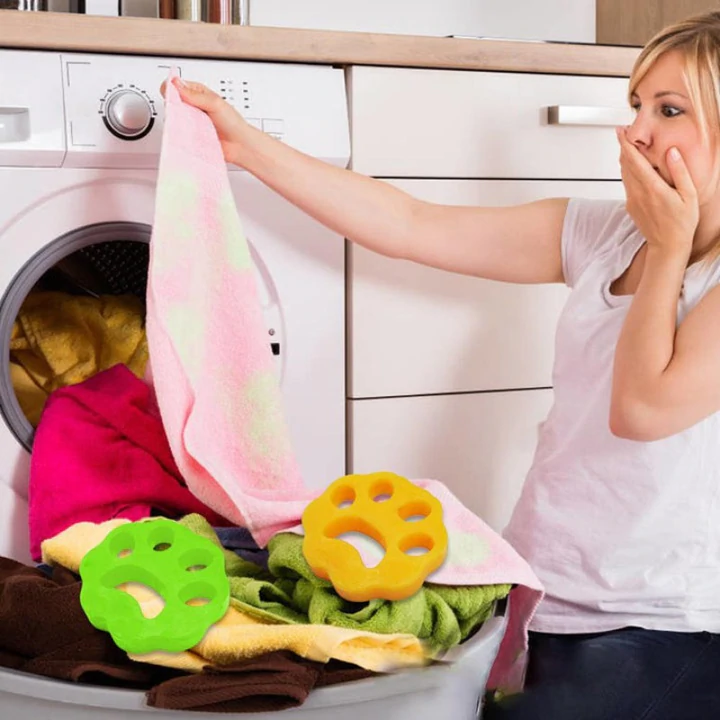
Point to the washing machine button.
(128, 115)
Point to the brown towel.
(43, 630)
(274, 681)
(336, 672)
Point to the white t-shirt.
(620, 532)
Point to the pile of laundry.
(181, 417)
(101, 459)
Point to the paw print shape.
(185, 569)
(404, 519)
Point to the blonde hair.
(697, 39)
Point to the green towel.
(442, 615)
(235, 566)
(439, 614)
(251, 587)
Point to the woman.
(620, 513)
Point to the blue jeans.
(628, 674)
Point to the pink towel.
(212, 367)
(477, 555)
(213, 374)
(100, 452)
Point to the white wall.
(570, 20)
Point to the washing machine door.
(59, 222)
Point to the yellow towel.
(29, 394)
(60, 339)
(239, 635)
(70, 546)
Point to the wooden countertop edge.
(178, 38)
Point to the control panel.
(101, 111)
(114, 109)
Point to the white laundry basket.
(439, 692)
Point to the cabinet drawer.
(448, 123)
(479, 445)
(415, 330)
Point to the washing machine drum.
(97, 260)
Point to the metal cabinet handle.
(14, 124)
(588, 115)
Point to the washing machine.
(80, 139)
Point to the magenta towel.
(100, 452)
(212, 367)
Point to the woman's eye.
(670, 111)
(635, 107)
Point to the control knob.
(128, 115)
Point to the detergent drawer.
(32, 132)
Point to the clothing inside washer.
(83, 315)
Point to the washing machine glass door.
(76, 232)
(72, 231)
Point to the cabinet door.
(620, 22)
(416, 330)
(480, 445)
(459, 124)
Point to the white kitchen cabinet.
(480, 445)
(417, 330)
(449, 377)
(465, 124)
